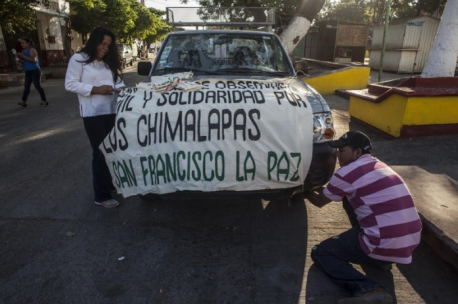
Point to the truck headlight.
(323, 127)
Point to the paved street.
(57, 246)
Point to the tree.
(346, 10)
(433, 7)
(117, 15)
(161, 27)
(373, 11)
(145, 23)
(128, 19)
(17, 19)
(120, 17)
(442, 60)
(156, 33)
(300, 24)
(284, 10)
(83, 8)
(17, 16)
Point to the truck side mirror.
(144, 67)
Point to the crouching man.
(385, 229)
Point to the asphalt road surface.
(57, 246)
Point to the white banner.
(235, 135)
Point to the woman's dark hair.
(111, 59)
(26, 39)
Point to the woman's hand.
(102, 90)
(119, 89)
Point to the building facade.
(408, 44)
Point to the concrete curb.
(443, 245)
(16, 79)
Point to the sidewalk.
(16, 79)
(428, 165)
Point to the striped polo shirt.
(391, 227)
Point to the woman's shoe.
(44, 103)
(22, 103)
(111, 203)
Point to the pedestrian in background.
(18, 46)
(32, 72)
(94, 74)
(386, 227)
(18, 49)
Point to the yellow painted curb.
(396, 112)
(350, 78)
(387, 115)
(431, 110)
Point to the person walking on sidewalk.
(386, 227)
(94, 75)
(32, 72)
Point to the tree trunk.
(300, 24)
(442, 60)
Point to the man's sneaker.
(111, 203)
(22, 103)
(379, 296)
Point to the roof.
(406, 20)
(336, 22)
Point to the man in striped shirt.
(385, 229)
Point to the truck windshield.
(224, 53)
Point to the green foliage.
(346, 10)
(430, 6)
(373, 11)
(81, 9)
(284, 10)
(128, 19)
(357, 11)
(161, 27)
(116, 15)
(403, 9)
(17, 17)
(144, 23)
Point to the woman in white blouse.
(94, 74)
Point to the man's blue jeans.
(335, 255)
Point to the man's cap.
(353, 138)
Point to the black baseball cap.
(354, 139)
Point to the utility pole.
(385, 29)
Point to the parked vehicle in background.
(135, 52)
(231, 118)
(126, 53)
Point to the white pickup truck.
(221, 113)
